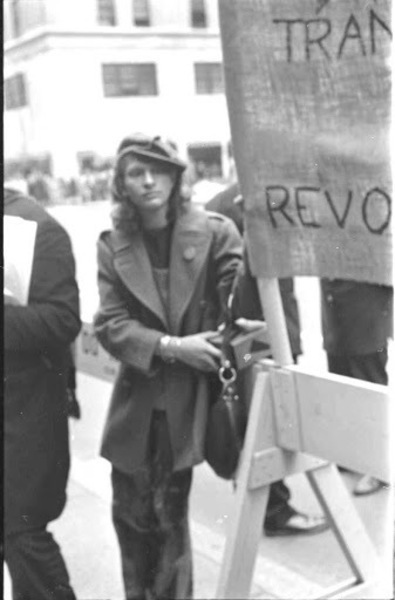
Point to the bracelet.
(163, 343)
(168, 347)
(175, 344)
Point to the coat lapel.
(190, 246)
(134, 268)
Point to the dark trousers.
(150, 515)
(36, 566)
(369, 367)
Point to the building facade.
(81, 74)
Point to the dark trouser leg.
(173, 575)
(132, 518)
(150, 513)
(36, 566)
(369, 367)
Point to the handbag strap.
(227, 359)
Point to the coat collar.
(134, 268)
(190, 244)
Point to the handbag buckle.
(227, 374)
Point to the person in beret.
(165, 270)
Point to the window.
(14, 168)
(106, 12)
(16, 18)
(141, 15)
(130, 80)
(198, 13)
(209, 78)
(15, 92)
(206, 159)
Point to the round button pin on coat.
(190, 253)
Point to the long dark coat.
(36, 353)
(357, 317)
(205, 254)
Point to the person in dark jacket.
(37, 337)
(165, 271)
(357, 321)
(281, 518)
(229, 202)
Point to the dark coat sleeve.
(51, 318)
(248, 305)
(226, 256)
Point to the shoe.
(298, 524)
(367, 485)
(343, 469)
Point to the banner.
(308, 86)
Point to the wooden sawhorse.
(297, 423)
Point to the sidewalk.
(297, 568)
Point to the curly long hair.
(125, 216)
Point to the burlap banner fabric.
(308, 85)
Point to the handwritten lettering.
(374, 18)
(303, 208)
(352, 32)
(340, 220)
(320, 39)
(310, 41)
(304, 205)
(376, 195)
(277, 204)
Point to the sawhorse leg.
(249, 507)
(350, 533)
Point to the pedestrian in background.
(165, 271)
(281, 517)
(357, 321)
(37, 337)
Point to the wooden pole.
(269, 294)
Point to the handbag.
(227, 412)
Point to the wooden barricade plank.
(286, 409)
(273, 464)
(346, 421)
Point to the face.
(148, 183)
